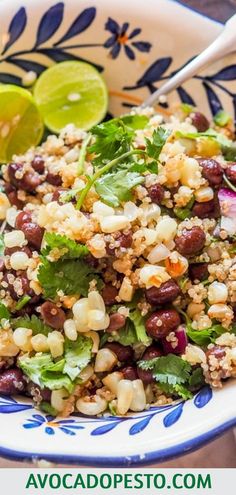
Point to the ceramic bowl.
(137, 45)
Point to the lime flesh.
(71, 92)
(21, 125)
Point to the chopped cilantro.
(44, 372)
(155, 146)
(69, 276)
(117, 187)
(113, 138)
(77, 355)
(4, 312)
(169, 369)
(69, 248)
(178, 389)
(196, 379)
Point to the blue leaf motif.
(203, 397)
(49, 23)
(29, 426)
(129, 52)
(142, 46)
(155, 71)
(10, 79)
(59, 55)
(16, 28)
(173, 416)
(67, 431)
(185, 97)
(213, 99)
(226, 74)
(112, 26)
(49, 430)
(101, 430)
(27, 65)
(140, 426)
(82, 22)
(13, 408)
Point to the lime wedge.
(21, 125)
(71, 92)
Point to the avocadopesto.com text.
(134, 481)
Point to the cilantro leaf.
(155, 146)
(229, 151)
(4, 312)
(135, 121)
(178, 389)
(220, 138)
(114, 188)
(196, 379)
(114, 137)
(169, 369)
(44, 372)
(69, 249)
(77, 355)
(206, 336)
(2, 245)
(138, 322)
(69, 276)
(34, 323)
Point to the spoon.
(224, 44)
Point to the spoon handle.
(223, 44)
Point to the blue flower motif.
(50, 424)
(119, 37)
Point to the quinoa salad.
(118, 264)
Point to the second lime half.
(71, 92)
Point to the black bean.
(191, 241)
(52, 315)
(12, 381)
(123, 352)
(166, 293)
(162, 322)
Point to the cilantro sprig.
(69, 276)
(115, 141)
(113, 138)
(69, 248)
(154, 146)
(174, 375)
(170, 369)
(70, 273)
(101, 171)
(117, 187)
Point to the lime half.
(71, 92)
(21, 125)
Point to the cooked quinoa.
(118, 265)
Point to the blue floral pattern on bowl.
(136, 49)
(169, 415)
(120, 37)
